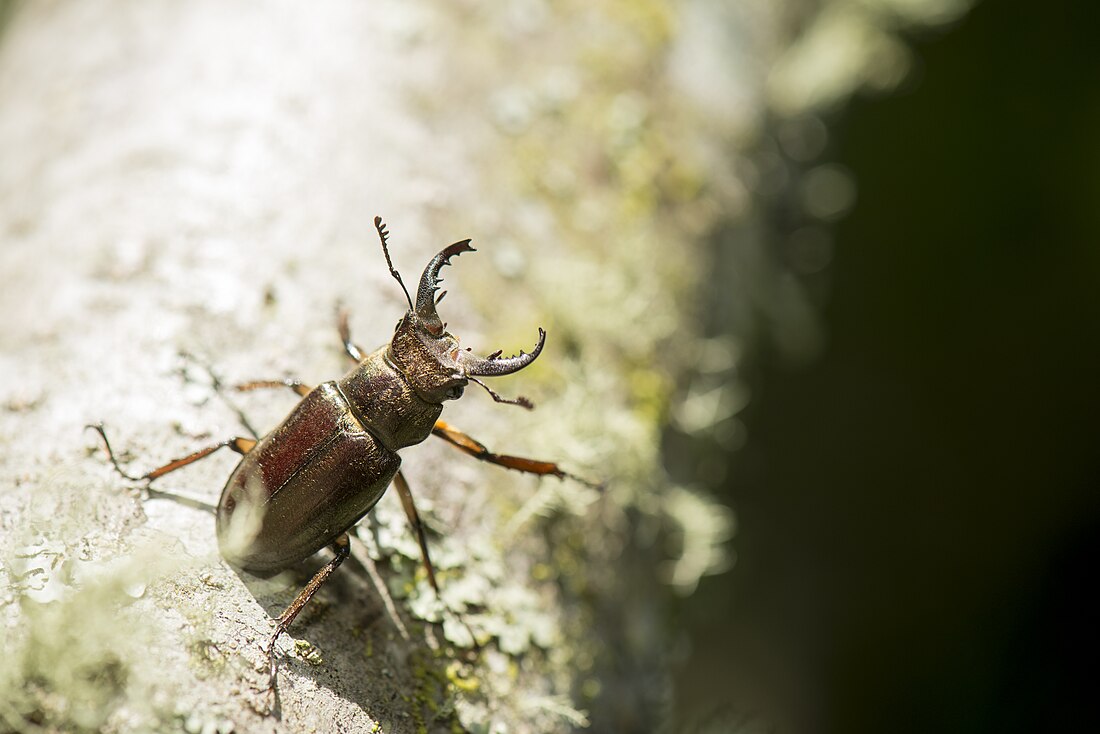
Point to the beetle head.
(429, 356)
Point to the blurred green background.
(918, 507)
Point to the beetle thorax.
(384, 401)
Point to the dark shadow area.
(918, 509)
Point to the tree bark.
(202, 178)
(186, 192)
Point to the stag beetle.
(307, 483)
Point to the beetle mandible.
(305, 484)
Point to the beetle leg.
(414, 519)
(479, 451)
(238, 444)
(293, 384)
(342, 548)
(345, 334)
(405, 494)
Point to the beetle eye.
(455, 392)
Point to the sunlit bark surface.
(187, 190)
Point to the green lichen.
(308, 651)
(461, 676)
(609, 179)
(75, 635)
(433, 700)
(207, 658)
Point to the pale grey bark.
(201, 177)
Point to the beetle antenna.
(520, 401)
(384, 236)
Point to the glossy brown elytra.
(306, 483)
